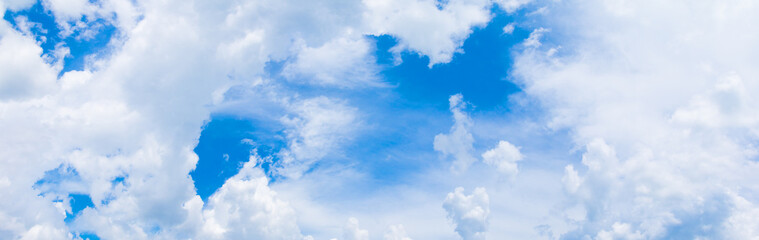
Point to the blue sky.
(79, 47)
(477, 71)
(378, 119)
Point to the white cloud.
(351, 231)
(534, 39)
(318, 128)
(246, 208)
(743, 222)
(469, 213)
(69, 10)
(571, 179)
(508, 29)
(136, 113)
(25, 78)
(504, 157)
(341, 62)
(619, 231)
(15, 5)
(25, 73)
(396, 232)
(422, 27)
(45, 232)
(658, 98)
(458, 142)
(512, 5)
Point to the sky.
(379, 119)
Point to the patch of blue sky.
(480, 73)
(225, 144)
(406, 119)
(65, 181)
(48, 34)
(44, 28)
(78, 203)
(401, 121)
(88, 236)
(64, 184)
(62, 179)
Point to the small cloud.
(396, 232)
(540, 11)
(468, 212)
(508, 29)
(571, 179)
(504, 157)
(351, 231)
(534, 39)
(458, 142)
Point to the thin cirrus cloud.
(601, 120)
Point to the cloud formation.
(469, 213)
(663, 119)
(127, 121)
(459, 141)
(351, 231)
(657, 99)
(504, 158)
(396, 232)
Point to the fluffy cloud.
(341, 62)
(469, 213)
(425, 27)
(619, 231)
(743, 221)
(508, 29)
(15, 5)
(127, 122)
(69, 10)
(534, 39)
(504, 157)
(246, 208)
(396, 232)
(25, 74)
(659, 101)
(512, 5)
(458, 142)
(351, 231)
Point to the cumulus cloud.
(469, 213)
(459, 141)
(341, 62)
(396, 232)
(70, 10)
(619, 231)
(512, 5)
(15, 5)
(246, 208)
(743, 221)
(129, 121)
(423, 27)
(504, 158)
(25, 73)
(571, 179)
(351, 231)
(657, 98)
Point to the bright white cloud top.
(468, 212)
(606, 120)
